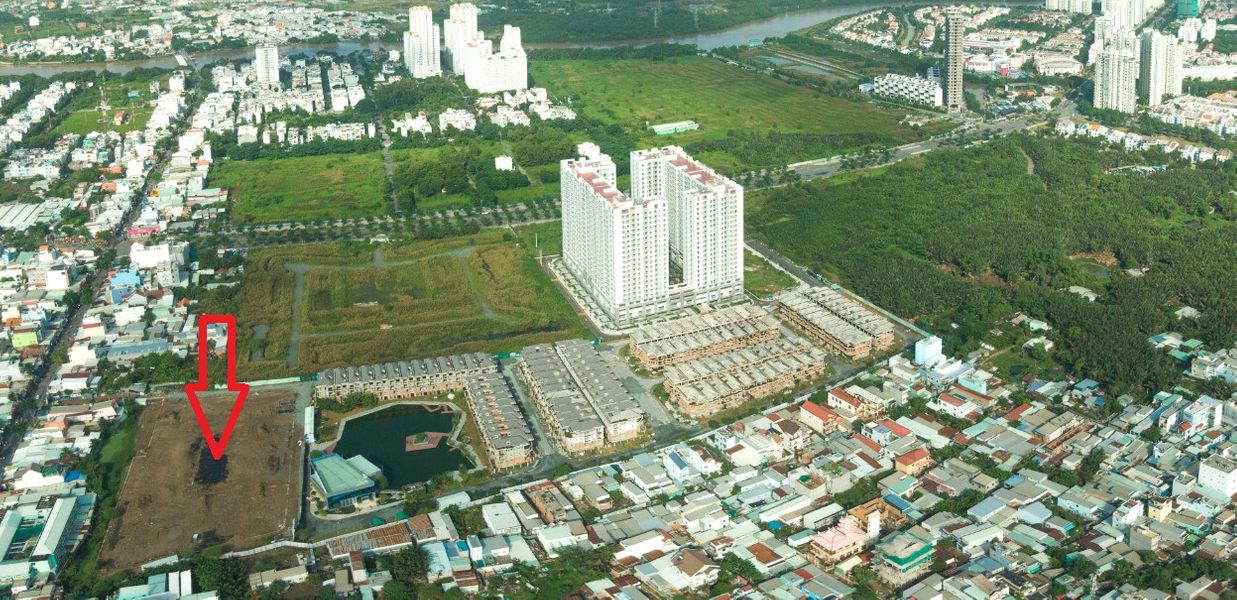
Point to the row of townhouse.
(405, 379)
(579, 396)
(837, 322)
(659, 345)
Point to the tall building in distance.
(1116, 72)
(1160, 67)
(955, 28)
(421, 50)
(458, 30)
(266, 65)
(1074, 6)
(676, 241)
(489, 72)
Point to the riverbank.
(737, 35)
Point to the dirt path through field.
(379, 261)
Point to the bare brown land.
(174, 489)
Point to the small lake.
(380, 436)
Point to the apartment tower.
(955, 28)
(675, 241)
(421, 50)
(1160, 67)
(266, 65)
(1116, 72)
(458, 30)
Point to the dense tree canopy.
(965, 237)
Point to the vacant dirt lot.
(164, 501)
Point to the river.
(732, 36)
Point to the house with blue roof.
(122, 286)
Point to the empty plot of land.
(303, 188)
(726, 102)
(174, 490)
(337, 305)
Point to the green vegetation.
(762, 279)
(747, 120)
(968, 237)
(423, 298)
(455, 176)
(127, 98)
(105, 470)
(542, 239)
(303, 188)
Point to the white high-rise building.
(955, 29)
(1074, 6)
(676, 241)
(459, 29)
(490, 72)
(1160, 67)
(616, 246)
(266, 65)
(421, 50)
(706, 220)
(1116, 72)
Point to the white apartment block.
(1160, 68)
(705, 213)
(459, 29)
(916, 90)
(1116, 72)
(491, 72)
(622, 248)
(1074, 6)
(266, 65)
(615, 245)
(421, 51)
(1218, 475)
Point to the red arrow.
(192, 389)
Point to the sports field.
(175, 491)
(303, 188)
(726, 101)
(306, 308)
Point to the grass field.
(303, 188)
(719, 97)
(255, 501)
(481, 293)
(763, 279)
(85, 121)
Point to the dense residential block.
(659, 345)
(841, 324)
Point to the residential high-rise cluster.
(1129, 14)
(471, 54)
(955, 29)
(676, 241)
(266, 65)
(1129, 68)
(421, 50)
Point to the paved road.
(828, 167)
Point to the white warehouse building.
(916, 90)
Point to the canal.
(380, 436)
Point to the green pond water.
(379, 437)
